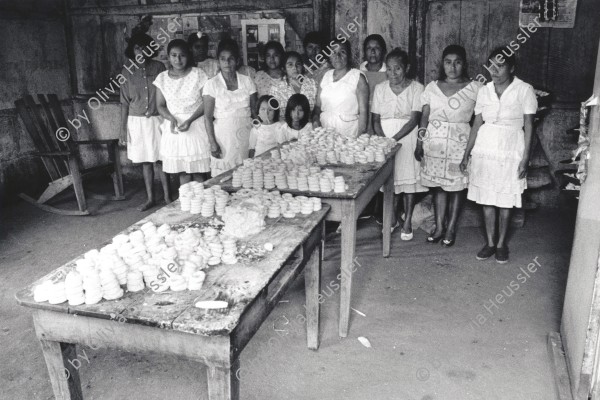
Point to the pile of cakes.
(284, 174)
(196, 199)
(326, 146)
(152, 257)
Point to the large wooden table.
(168, 322)
(364, 181)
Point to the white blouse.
(456, 108)
(183, 95)
(230, 103)
(391, 106)
(518, 99)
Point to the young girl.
(140, 120)
(396, 113)
(499, 147)
(265, 132)
(297, 115)
(184, 147)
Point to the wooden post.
(416, 36)
(348, 251)
(312, 283)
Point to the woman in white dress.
(184, 146)
(396, 112)
(448, 105)
(499, 147)
(343, 96)
(230, 103)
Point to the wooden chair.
(61, 158)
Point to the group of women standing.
(455, 133)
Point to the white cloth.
(185, 151)
(264, 137)
(395, 111)
(339, 103)
(232, 120)
(500, 145)
(143, 139)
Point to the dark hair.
(295, 100)
(193, 38)
(273, 45)
(268, 98)
(288, 55)
(459, 51)
(509, 59)
(229, 45)
(181, 44)
(379, 39)
(316, 38)
(346, 45)
(398, 53)
(142, 40)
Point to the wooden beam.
(416, 36)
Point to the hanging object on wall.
(548, 13)
(583, 144)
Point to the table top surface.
(357, 177)
(238, 284)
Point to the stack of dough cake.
(197, 199)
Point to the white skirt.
(493, 171)
(407, 169)
(233, 137)
(187, 151)
(143, 139)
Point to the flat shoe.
(406, 236)
(486, 252)
(433, 239)
(448, 243)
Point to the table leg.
(223, 383)
(388, 205)
(62, 362)
(312, 283)
(323, 236)
(347, 268)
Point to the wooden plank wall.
(560, 60)
(97, 33)
(390, 19)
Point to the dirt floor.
(438, 329)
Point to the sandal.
(406, 236)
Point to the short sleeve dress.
(232, 120)
(282, 91)
(143, 121)
(500, 145)
(184, 151)
(446, 137)
(395, 111)
(373, 79)
(264, 82)
(264, 137)
(339, 104)
(287, 133)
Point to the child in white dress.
(184, 147)
(396, 110)
(297, 116)
(265, 132)
(499, 146)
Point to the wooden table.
(168, 322)
(364, 181)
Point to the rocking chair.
(61, 156)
